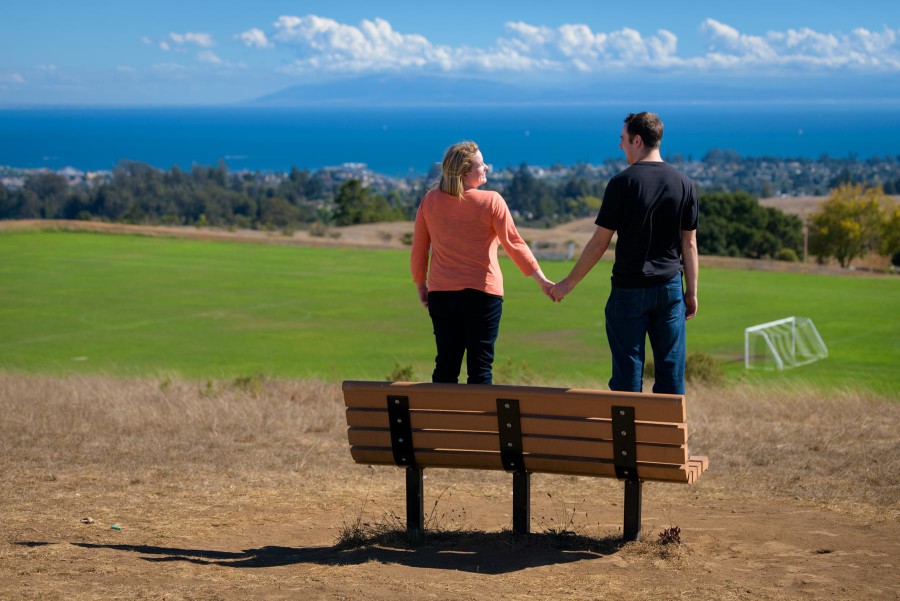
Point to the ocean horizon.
(407, 141)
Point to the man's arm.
(690, 256)
(592, 253)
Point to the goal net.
(783, 344)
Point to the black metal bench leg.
(521, 502)
(632, 528)
(415, 500)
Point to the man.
(653, 208)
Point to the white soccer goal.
(782, 344)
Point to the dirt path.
(281, 544)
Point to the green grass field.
(139, 306)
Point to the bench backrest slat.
(489, 441)
(532, 400)
(598, 428)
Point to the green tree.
(356, 203)
(847, 225)
(890, 231)
(49, 190)
(277, 212)
(735, 224)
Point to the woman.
(462, 288)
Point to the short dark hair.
(646, 125)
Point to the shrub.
(787, 254)
(407, 238)
(698, 367)
(670, 536)
(318, 229)
(703, 367)
(401, 373)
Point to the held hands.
(555, 292)
(561, 289)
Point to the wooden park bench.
(634, 437)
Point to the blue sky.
(201, 52)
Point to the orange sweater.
(463, 236)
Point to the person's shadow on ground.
(471, 551)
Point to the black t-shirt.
(648, 205)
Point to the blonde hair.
(457, 163)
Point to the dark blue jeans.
(633, 315)
(465, 321)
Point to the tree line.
(733, 222)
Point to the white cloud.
(254, 38)
(208, 56)
(203, 40)
(147, 41)
(211, 58)
(169, 68)
(802, 48)
(323, 45)
(12, 78)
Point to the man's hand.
(690, 306)
(561, 289)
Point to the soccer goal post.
(783, 344)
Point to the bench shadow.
(472, 551)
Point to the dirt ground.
(246, 490)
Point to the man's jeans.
(464, 321)
(632, 314)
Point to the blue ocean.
(407, 141)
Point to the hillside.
(390, 236)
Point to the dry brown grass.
(206, 477)
(840, 449)
(245, 427)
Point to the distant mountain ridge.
(399, 90)
(402, 90)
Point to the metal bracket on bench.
(625, 461)
(509, 428)
(401, 430)
(404, 456)
(624, 443)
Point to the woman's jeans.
(633, 314)
(465, 321)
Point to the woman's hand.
(544, 283)
(423, 294)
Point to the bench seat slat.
(488, 441)
(543, 425)
(532, 400)
(698, 465)
(534, 463)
